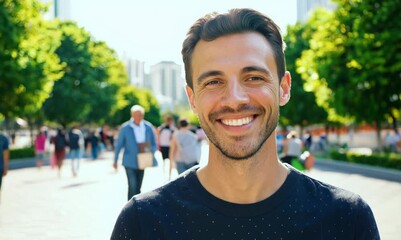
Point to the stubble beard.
(237, 151)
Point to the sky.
(152, 31)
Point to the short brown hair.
(215, 25)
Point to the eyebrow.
(248, 69)
(256, 69)
(207, 74)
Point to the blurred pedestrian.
(392, 140)
(292, 148)
(94, 140)
(4, 157)
(322, 142)
(185, 148)
(164, 135)
(76, 143)
(60, 144)
(40, 147)
(132, 133)
(308, 140)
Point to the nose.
(235, 94)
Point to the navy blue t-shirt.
(302, 208)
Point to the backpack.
(190, 148)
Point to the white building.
(136, 72)
(167, 85)
(306, 7)
(60, 9)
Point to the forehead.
(234, 51)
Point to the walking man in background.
(185, 148)
(236, 82)
(132, 133)
(292, 147)
(76, 140)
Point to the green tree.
(322, 65)
(353, 63)
(152, 107)
(69, 100)
(29, 65)
(373, 58)
(130, 96)
(111, 75)
(88, 91)
(302, 109)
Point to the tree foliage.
(29, 66)
(131, 96)
(322, 65)
(353, 64)
(373, 60)
(70, 98)
(89, 89)
(302, 109)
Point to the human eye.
(256, 78)
(212, 82)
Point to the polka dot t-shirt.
(302, 208)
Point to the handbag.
(145, 156)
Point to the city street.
(36, 204)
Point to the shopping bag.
(53, 161)
(145, 156)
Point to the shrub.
(387, 160)
(26, 152)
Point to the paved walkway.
(36, 204)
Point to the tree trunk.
(378, 135)
(395, 124)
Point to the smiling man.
(236, 82)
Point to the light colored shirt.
(294, 147)
(139, 131)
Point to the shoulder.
(4, 140)
(3, 137)
(157, 200)
(335, 199)
(148, 124)
(125, 124)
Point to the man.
(76, 140)
(236, 81)
(292, 148)
(4, 157)
(185, 148)
(132, 133)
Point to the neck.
(243, 181)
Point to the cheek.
(204, 103)
(267, 94)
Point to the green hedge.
(387, 160)
(27, 152)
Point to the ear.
(285, 88)
(191, 98)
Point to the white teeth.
(237, 122)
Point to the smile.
(237, 122)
